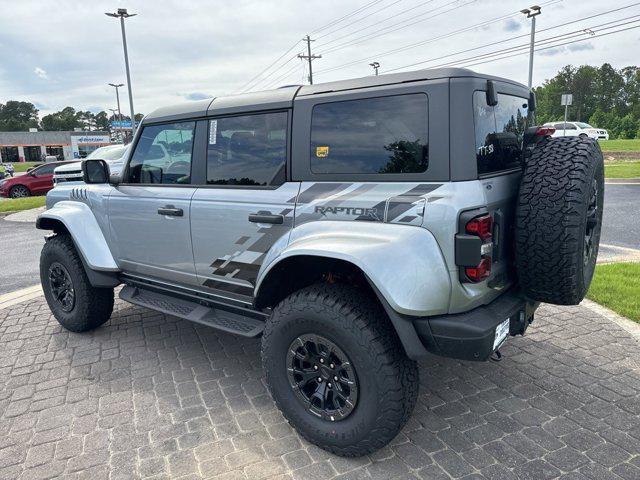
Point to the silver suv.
(355, 226)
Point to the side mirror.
(532, 101)
(95, 171)
(31, 173)
(492, 95)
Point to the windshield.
(583, 125)
(111, 152)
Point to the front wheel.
(76, 304)
(19, 191)
(336, 369)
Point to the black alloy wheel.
(322, 377)
(62, 286)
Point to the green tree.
(65, 119)
(16, 116)
(628, 127)
(102, 121)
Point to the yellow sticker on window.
(322, 152)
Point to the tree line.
(17, 116)
(602, 97)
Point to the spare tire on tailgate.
(559, 218)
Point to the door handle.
(171, 211)
(266, 217)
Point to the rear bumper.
(472, 335)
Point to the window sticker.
(322, 152)
(213, 131)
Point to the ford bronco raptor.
(354, 225)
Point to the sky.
(65, 52)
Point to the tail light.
(479, 273)
(474, 247)
(545, 131)
(480, 226)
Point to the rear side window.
(247, 150)
(163, 154)
(374, 135)
(499, 132)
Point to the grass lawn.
(21, 166)
(18, 204)
(617, 287)
(625, 145)
(622, 170)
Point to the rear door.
(149, 213)
(246, 205)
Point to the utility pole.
(375, 66)
(309, 57)
(532, 13)
(122, 13)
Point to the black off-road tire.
(387, 379)
(91, 306)
(559, 209)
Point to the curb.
(622, 181)
(19, 296)
(630, 326)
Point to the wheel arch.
(76, 220)
(299, 271)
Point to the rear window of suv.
(499, 132)
(371, 136)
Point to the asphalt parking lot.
(151, 396)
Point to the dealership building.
(35, 146)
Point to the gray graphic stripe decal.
(318, 191)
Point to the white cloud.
(41, 73)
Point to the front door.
(42, 180)
(149, 212)
(246, 205)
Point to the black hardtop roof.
(283, 97)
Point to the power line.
(250, 84)
(523, 47)
(516, 37)
(402, 12)
(246, 85)
(429, 40)
(360, 19)
(348, 15)
(279, 79)
(398, 26)
(555, 45)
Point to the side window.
(163, 154)
(46, 170)
(247, 150)
(571, 126)
(499, 132)
(373, 135)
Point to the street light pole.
(122, 13)
(532, 13)
(116, 86)
(375, 66)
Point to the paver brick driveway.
(152, 396)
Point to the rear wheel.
(337, 370)
(559, 219)
(19, 191)
(76, 304)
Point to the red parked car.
(37, 181)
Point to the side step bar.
(221, 319)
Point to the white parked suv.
(114, 155)
(577, 129)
